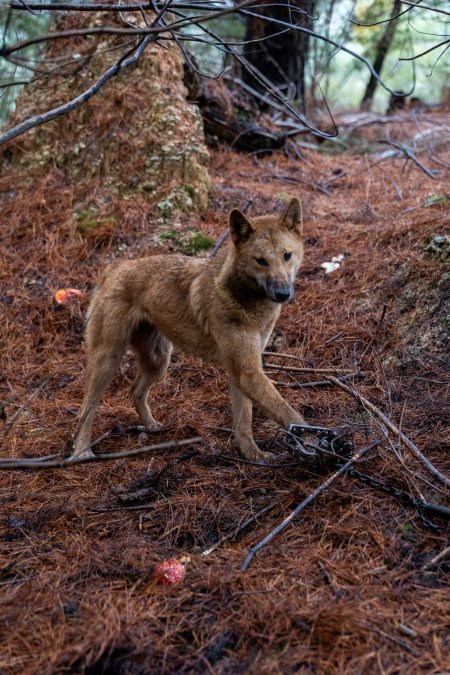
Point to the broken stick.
(305, 502)
(36, 463)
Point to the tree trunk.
(280, 58)
(382, 49)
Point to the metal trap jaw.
(320, 445)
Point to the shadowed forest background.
(133, 129)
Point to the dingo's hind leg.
(153, 355)
(103, 362)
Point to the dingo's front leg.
(242, 424)
(242, 358)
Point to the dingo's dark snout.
(282, 295)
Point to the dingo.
(221, 309)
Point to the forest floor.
(344, 589)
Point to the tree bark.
(280, 58)
(382, 49)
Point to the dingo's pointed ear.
(240, 227)
(291, 218)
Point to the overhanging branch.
(78, 101)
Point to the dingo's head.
(269, 250)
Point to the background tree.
(275, 55)
(280, 55)
(381, 50)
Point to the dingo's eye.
(262, 261)
(287, 256)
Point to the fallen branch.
(219, 243)
(293, 357)
(305, 502)
(319, 371)
(268, 101)
(26, 463)
(45, 458)
(409, 154)
(389, 425)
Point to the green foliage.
(198, 242)
(437, 200)
(343, 79)
(167, 236)
(87, 221)
(407, 531)
(371, 12)
(189, 243)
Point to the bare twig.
(219, 243)
(338, 335)
(324, 38)
(293, 357)
(319, 383)
(427, 51)
(319, 371)
(254, 92)
(103, 7)
(76, 32)
(79, 100)
(410, 155)
(224, 236)
(396, 640)
(431, 9)
(305, 502)
(437, 558)
(391, 18)
(389, 425)
(35, 463)
(140, 507)
(28, 400)
(238, 530)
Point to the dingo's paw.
(251, 451)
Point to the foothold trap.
(321, 446)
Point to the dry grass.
(329, 595)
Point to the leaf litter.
(336, 590)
